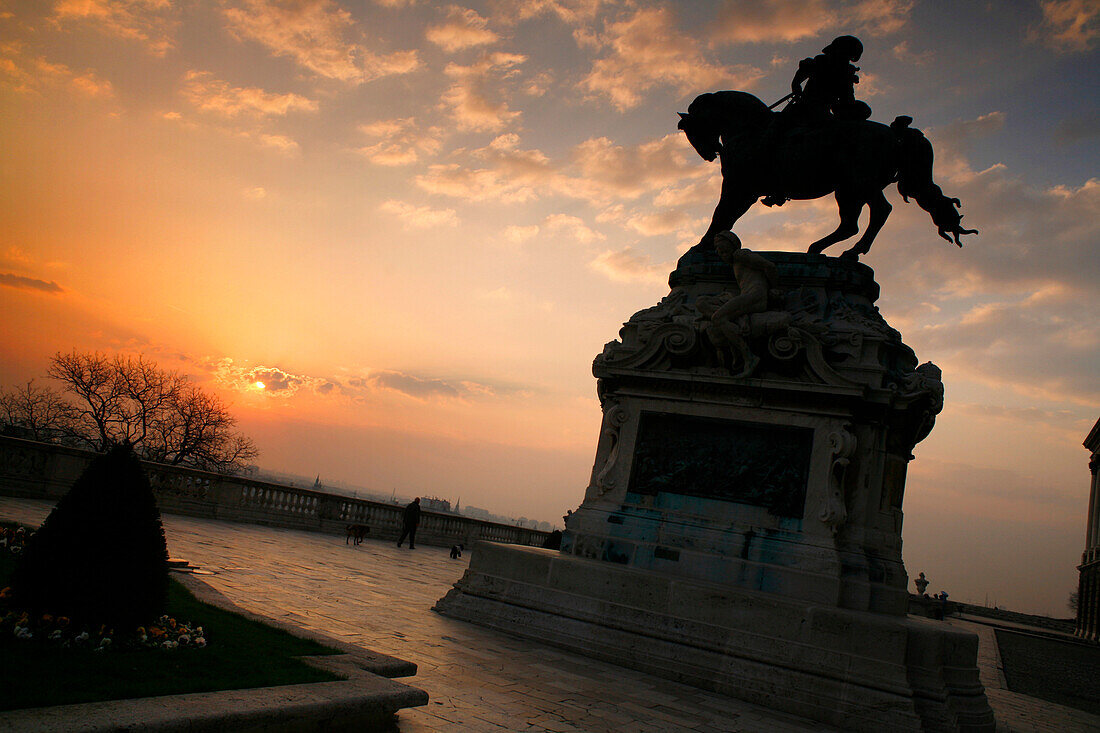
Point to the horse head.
(702, 136)
(712, 115)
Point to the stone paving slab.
(379, 597)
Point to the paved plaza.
(380, 597)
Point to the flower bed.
(234, 653)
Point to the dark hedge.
(100, 556)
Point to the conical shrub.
(100, 556)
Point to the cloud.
(19, 282)
(470, 99)
(603, 171)
(24, 74)
(420, 217)
(519, 235)
(15, 256)
(149, 22)
(903, 53)
(1077, 128)
(500, 171)
(316, 35)
(210, 94)
(961, 131)
(1068, 26)
(646, 50)
(464, 28)
(421, 387)
(275, 380)
(400, 141)
(278, 382)
(570, 12)
(787, 21)
(281, 143)
(628, 265)
(1015, 306)
(412, 385)
(573, 227)
(1044, 350)
(701, 191)
(596, 171)
(653, 223)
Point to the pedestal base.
(856, 670)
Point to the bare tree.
(196, 428)
(91, 377)
(37, 413)
(164, 416)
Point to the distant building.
(1088, 589)
(435, 504)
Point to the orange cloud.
(573, 227)
(463, 29)
(1068, 26)
(628, 265)
(150, 22)
(315, 34)
(647, 50)
(597, 171)
(400, 141)
(210, 94)
(25, 74)
(420, 217)
(787, 21)
(470, 96)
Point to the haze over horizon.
(416, 224)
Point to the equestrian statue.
(822, 142)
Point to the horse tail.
(914, 174)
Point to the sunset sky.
(417, 223)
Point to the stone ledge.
(366, 700)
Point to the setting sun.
(259, 385)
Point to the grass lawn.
(240, 653)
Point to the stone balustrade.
(46, 471)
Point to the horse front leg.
(731, 206)
(880, 210)
(850, 206)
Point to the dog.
(357, 532)
(456, 551)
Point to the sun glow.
(259, 385)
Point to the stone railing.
(1043, 622)
(46, 471)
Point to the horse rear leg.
(880, 209)
(850, 206)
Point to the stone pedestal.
(742, 527)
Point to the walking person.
(411, 519)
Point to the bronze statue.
(830, 80)
(823, 143)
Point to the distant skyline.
(415, 224)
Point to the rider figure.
(829, 78)
(829, 94)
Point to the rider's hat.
(849, 46)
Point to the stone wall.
(46, 471)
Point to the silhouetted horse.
(765, 153)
